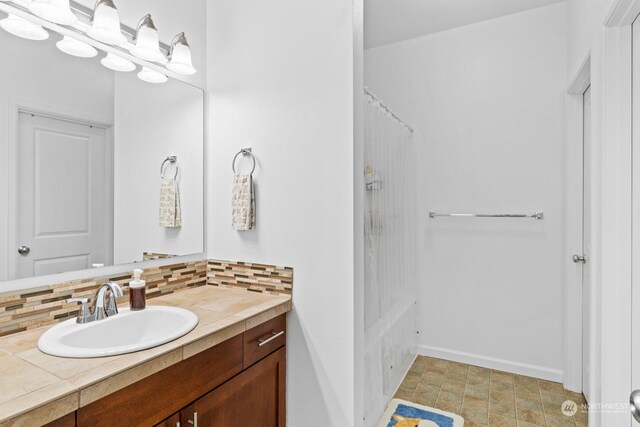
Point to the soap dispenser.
(137, 297)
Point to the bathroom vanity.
(229, 370)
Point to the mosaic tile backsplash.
(252, 277)
(45, 305)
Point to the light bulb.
(22, 28)
(105, 24)
(77, 48)
(147, 45)
(180, 56)
(151, 76)
(117, 63)
(57, 11)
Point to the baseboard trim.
(492, 363)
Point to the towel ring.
(174, 161)
(244, 152)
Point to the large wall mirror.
(81, 150)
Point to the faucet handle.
(83, 315)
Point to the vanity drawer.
(153, 399)
(264, 339)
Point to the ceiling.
(389, 21)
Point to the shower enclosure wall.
(391, 235)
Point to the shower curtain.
(391, 234)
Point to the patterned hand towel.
(170, 215)
(243, 203)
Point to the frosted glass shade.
(57, 11)
(22, 28)
(147, 45)
(105, 25)
(181, 60)
(77, 48)
(117, 63)
(151, 76)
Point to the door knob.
(24, 250)
(579, 258)
(634, 404)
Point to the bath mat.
(400, 413)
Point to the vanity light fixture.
(117, 63)
(23, 28)
(105, 24)
(151, 76)
(180, 56)
(57, 11)
(147, 45)
(77, 48)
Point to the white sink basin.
(125, 332)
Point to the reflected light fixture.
(22, 28)
(180, 56)
(147, 45)
(151, 76)
(105, 24)
(74, 47)
(57, 11)
(117, 63)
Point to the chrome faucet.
(99, 310)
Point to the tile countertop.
(36, 388)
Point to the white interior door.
(63, 211)
(586, 245)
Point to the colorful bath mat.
(400, 413)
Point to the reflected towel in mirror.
(243, 203)
(170, 215)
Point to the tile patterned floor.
(484, 397)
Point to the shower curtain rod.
(387, 109)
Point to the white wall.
(152, 123)
(487, 101)
(70, 87)
(281, 82)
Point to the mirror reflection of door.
(586, 243)
(63, 215)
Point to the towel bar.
(536, 215)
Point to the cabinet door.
(256, 397)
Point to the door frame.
(612, 164)
(17, 106)
(574, 155)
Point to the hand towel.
(243, 203)
(170, 215)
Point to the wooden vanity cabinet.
(240, 381)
